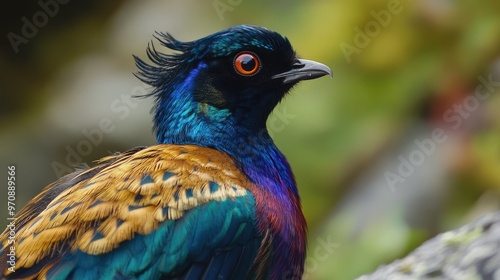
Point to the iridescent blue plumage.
(215, 199)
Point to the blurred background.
(403, 142)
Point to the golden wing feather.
(130, 193)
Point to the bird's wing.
(183, 211)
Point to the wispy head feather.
(165, 68)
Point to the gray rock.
(467, 253)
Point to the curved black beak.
(304, 69)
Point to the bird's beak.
(304, 69)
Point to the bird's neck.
(252, 147)
(179, 119)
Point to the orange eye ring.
(246, 64)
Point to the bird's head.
(223, 84)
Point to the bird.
(213, 199)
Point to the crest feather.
(164, 68)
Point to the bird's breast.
(282, 225)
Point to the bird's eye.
(246, 64)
